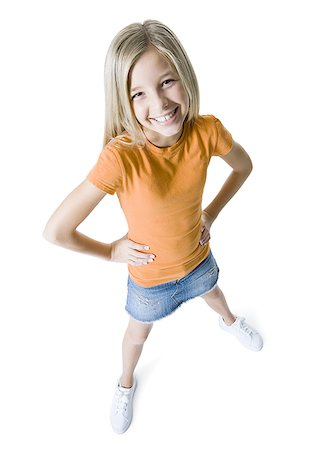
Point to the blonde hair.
(125, 49)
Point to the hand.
(206, 226)
(126, 251)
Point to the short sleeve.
(223, 139)
(106, 174)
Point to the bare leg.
(216, 300)
(133, 342)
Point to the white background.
(259, 66)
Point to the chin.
(170, 132)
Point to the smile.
(167, 117)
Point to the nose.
(159, 104)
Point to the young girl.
(155, 155)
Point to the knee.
(138, 337)
(215, 294)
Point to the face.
(158, 97)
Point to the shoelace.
(244, 327)
(122, 399)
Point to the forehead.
(150, 65)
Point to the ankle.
(126, 382)
(229, 320)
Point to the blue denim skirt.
(147, 304)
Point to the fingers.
(138, 257)
(205, 236)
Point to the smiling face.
(158, 97)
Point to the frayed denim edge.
(162, 317)
(209, 289)
(175, 309)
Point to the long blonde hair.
(125, 49)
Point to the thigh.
(149, 304)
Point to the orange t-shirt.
(160, 191)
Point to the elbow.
(46, 234)
(248, 171)
(49, 236)
(52, 234)
(248, 167)
(49, 231)
(246, 163)
(244, 171)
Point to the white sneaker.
(121, 408)
(248, 336)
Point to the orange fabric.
(160, 191)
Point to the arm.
(61, 226)
(241, 164)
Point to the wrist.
(211, 217)
(107, 252)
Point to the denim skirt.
(148, 304)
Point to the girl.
(155, 156)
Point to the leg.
(216, 300)
(133, 341)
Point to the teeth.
(165, 118)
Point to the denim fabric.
(148, 304)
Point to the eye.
(167, 81)
(134, 96)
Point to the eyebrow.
(164, 75)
